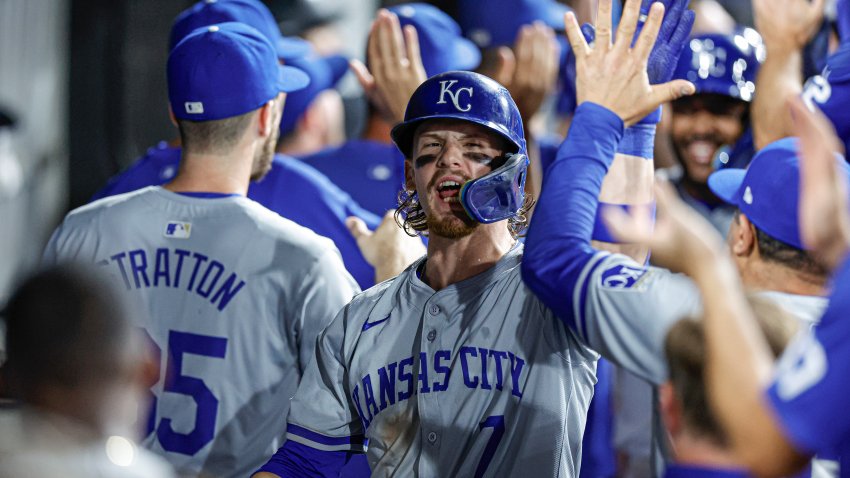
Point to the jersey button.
(432, 334)
(434, 309)
(432, 438)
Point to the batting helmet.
(468, 96)
(723, 64)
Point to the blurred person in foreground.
(80, 374)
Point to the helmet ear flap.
(499, 194)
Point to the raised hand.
(675, 29)
(823, 214)
(395, 63)
(388, 248)
(787, 25)
(530, 70)
(613, 74)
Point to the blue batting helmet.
(468, 96)
(723, 64)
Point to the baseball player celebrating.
(453, 368)
(235, 295)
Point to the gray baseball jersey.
(477, 379)
(624, 311)
(235, 295)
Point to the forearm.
(778, 78)
(558, 243)
(628, 183)
(738, 363)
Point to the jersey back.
(233, 297)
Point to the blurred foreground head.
(72, 350)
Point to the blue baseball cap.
(497, 22)
(249, 12)
(226, 70)
(767, 192)
(324, 73)
(441, 42)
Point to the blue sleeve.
(302, 194)
(297, 460)
(809, 391)
(557, 247)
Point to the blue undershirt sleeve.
(296, 460)
(557, 247)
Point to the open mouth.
(702, 151)
(449, 191)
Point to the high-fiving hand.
(613, 74)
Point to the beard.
(263, 157)
(451, 227)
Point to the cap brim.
(292, 79)
(289, 48)
(338, 65)
(726, 183)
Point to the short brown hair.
(215, 136)
(684, 349)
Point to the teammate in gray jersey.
(453, 368)
(235, 294)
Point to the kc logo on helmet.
(446, 88)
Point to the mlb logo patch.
(178, 230)
(621, 276)
(194, 107)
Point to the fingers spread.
(603, 25)
(647, 37)
(411, 39)
(628, 25)
(577, 43)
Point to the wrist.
(638, 140)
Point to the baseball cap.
(324, 73)
(249, 12)
(225, 70)
(441, 42)
(497, 22)
(767, 192)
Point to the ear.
(409, 182)
(671, 409)
(743, 236)
(265, 118)
(171, 115)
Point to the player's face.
(264, 155)
(701, 125)
(446, 154)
